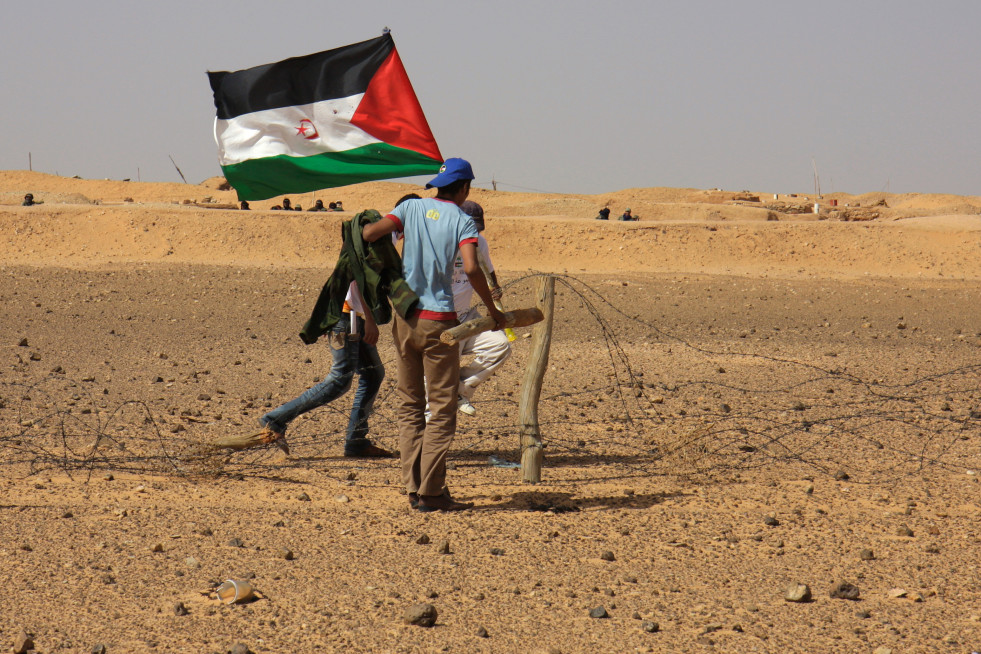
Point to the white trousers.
(489, 350)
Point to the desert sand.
(742, 396)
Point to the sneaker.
(276, 438)
(369, 451)
(463, 406)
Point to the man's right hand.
(374, 231)
(497, 316)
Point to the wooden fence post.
(531, 388)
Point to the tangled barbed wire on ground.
(654, 403)
(788, 411)
(57, 423)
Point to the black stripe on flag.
(337, 73)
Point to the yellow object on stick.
(507, 330)
(484, 266)
(516, 318)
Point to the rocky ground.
(684, 491)
(761, 436)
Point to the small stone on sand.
(798, 593)
(421, 615)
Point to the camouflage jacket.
(376, 267)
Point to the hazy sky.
(577, 96)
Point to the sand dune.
(86, 223)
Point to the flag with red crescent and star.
(328, 119)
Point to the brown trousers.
(422, 356)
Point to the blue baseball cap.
(452, 170)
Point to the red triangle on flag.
(391, 113)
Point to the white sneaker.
(463, 406)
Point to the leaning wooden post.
(531, 388)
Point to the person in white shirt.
(489, 349)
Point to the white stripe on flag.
(275, 132)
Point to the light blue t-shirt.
(432, 231)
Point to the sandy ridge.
(83, 236)
(89, 223)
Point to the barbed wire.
(626, 418)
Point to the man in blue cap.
(434, 230)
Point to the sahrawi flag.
(328, 119)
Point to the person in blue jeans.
(353, 350)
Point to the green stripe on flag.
(261, 179)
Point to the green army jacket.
(376, 267)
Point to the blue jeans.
(350, 354)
